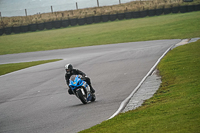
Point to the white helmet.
(68, 67)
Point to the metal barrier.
(97, 19)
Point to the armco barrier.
(128, 15)
(167, 10)
(24, 28)
(8, 30)
(113, 17)
(143, 13)
(159, 11)
(32, 27)
(136, 14)
(152, 12)
(16, 30)
(175, 9)
(191, 8)
(65, 23)
(57, 24)
(98, 19)
(81, 21)
(1, 31)
(40, 26)
(197, 7)
(183, 9)
(89, 20)
(48, 25)
(121, 16)
(105, 18)
(73, 22)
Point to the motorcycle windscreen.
(72, 78)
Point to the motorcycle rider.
(70, 71)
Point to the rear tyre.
(93, 98)
(82, 97)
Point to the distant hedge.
(97, 19)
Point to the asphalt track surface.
(35, 99)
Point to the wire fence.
(97, 19)
(70, 5)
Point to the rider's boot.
(70, 92)
(91, 88)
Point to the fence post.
(98, 3)
(119, 1)
(52, 9)
(76, 5)
(0, 16)
(26, 12)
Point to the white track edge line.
(125, 102)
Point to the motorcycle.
(81, 89)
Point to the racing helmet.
(68, 68)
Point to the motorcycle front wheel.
(82, 97)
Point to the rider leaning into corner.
(70, 71)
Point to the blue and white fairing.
(76, 82)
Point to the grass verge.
(7, 68)
(171, 26)
(175, 106)
(95, 11)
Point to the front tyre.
(82, 97)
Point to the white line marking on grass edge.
(125, 102)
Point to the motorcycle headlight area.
(75, 83)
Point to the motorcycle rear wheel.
(82, 97)
(93, 98)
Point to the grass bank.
(171, 26)
(175, 106)
(95, 11)
(7, 68)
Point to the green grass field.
(175, 106)
(7, 68)
(173, 26)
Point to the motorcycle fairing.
(77, 82)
